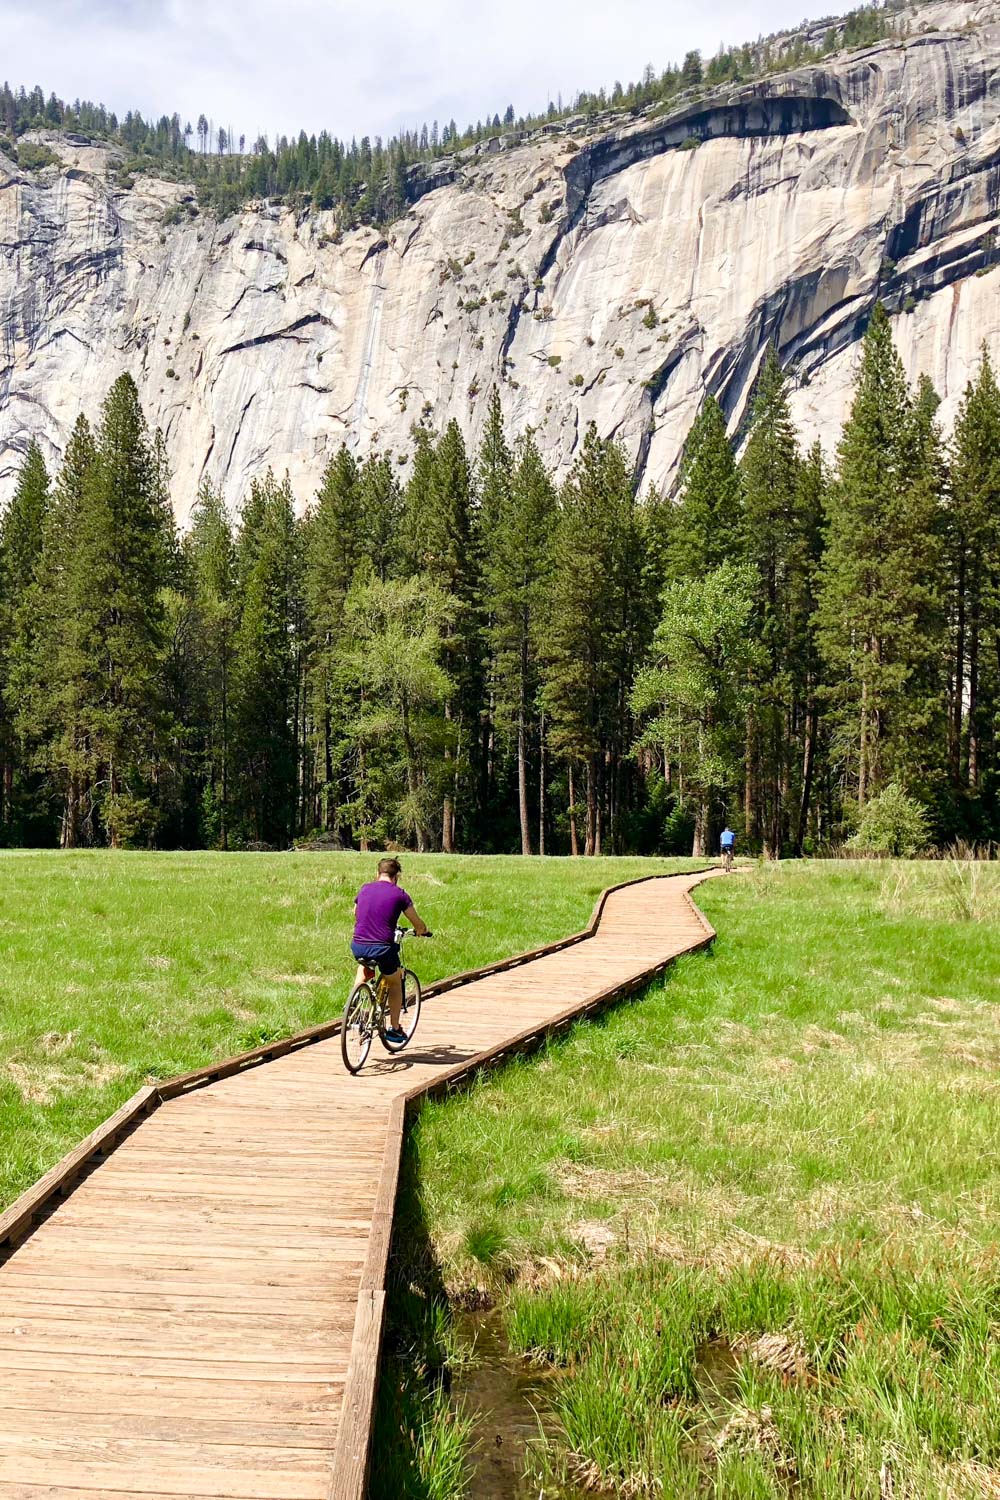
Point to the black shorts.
(381, 956)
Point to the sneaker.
(395, 1036)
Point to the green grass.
(119, 967)
(753, 1217)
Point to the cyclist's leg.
(391, 970)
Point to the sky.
(278, 66)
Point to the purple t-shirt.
(378, 907)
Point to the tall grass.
(750, 1222)
(117, 967)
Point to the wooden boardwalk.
(200, 1313)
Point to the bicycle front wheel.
(409, 1013)
(358, 1027)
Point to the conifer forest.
(480, 659)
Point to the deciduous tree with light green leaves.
(392, 661)
(695, 691)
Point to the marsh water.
(507, 1395)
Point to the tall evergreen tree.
(210, 554)
(878, 614)
(707, 528)
(21, 536)
(973, 533)
(517, 574)
(334, 541)
(48, 670)
(264, 727)
(587, 636)
(770, 475)
(382, 511)
(494, 464)
(442, 531)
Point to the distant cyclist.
(727, 844)
(378, 907)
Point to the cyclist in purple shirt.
(378, 907)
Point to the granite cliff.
(611, 273)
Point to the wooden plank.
(351, 1457)
(230, 1260)
(18, 1218)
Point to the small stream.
(507, 1396)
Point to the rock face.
(613, 277)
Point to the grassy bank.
(752, 1220)
(118, 967)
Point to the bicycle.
(367, 1011)
(727, 860)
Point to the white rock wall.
(260, 341)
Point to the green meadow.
(744, 1228)
(116, 968)
(746, 1225)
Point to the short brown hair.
(390, 867)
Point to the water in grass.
(508, 1397)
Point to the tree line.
(484, 659)
(366, 181)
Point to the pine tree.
(494, 464)
(93, 679)
(587, 641)
(806, 561)
(334, 539)
(382, 510)
(878, 615)
(21, 536)
(973, 533)
(210, 555)
(707, 529)
(126, 541)
(769, 476)
(265, 679)
(442, 530)
(518, 566)
(48, 668)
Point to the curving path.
(199, 1313)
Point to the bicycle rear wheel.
(409, 1013)
(358, 1027)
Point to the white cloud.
(260, 65)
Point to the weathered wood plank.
(230, 1257)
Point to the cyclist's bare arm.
(416, 922)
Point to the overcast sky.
(366, 68)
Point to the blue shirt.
(728, 839)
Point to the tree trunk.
(69, 834)
(863, 746)
(955, 727)
(974, 697)
(699, 844)
(448, 810)
(591, 836)
(808, 761)
(749, 799)
(541, 786)
(574, 845)
(522, 782)
(224, 815)
(412, 784)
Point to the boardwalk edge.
(352, 1456)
